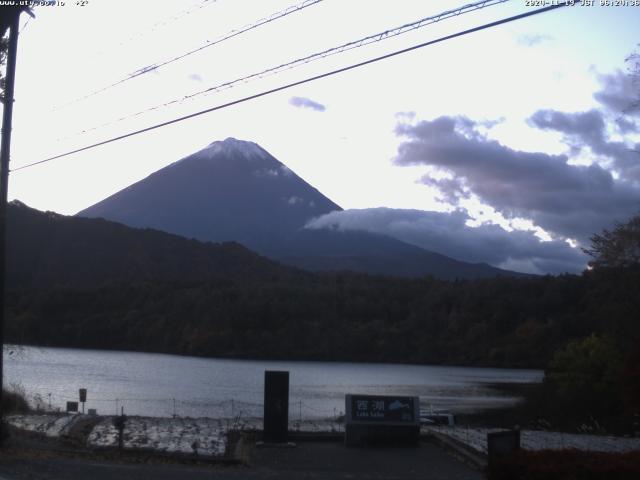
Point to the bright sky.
(506, 74)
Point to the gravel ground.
(307, 460)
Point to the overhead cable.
(210, 43)
(300, 82)
(164, 22)
(377, 37)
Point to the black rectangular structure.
(502, 444)
(276, 406)
(382, 419)
(72, 406)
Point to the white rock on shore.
(207, 436)
(202, 436)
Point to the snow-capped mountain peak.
(245, 148)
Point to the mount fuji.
(235, 190)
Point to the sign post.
(382, 419)
(83, 397)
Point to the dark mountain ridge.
(45, 249)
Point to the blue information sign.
(382, 409)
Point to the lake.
(162, 385)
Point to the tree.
(617, 248)
(4, 43)
(7, 15)
(584, 378)
(633, 61)
(631, 380)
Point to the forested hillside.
(507, 322)
(95, 284)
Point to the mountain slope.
(231, 190)
(235, 190)
(46, 249)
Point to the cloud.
(294, 200)
(533, 40)
(626, 126)
(618, 93)
(448, 234)
(286, 171)
(571, 201)
(588, 129)
(588, 125)
(266, 173)
(620, 103)
(303, 102)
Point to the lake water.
(161, 385)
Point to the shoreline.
(17, 347)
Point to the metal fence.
(232, 408)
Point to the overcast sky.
(509, 146)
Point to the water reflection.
(164, 385)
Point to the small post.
(119, 422)
(49, 402)
(174, 408)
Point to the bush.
(583, 379)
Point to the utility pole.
(5, 148)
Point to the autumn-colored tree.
(615, 248)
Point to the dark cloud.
(533, 40)
(588, 129)
(448, 234)
(567, 200)
(303, 102)
(619, 94)
(626, 126)
(589, 125)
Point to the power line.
(24, 25)
(233, 33)
(183, 13)
(377, 37)
(300, 82)
(166, 21)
